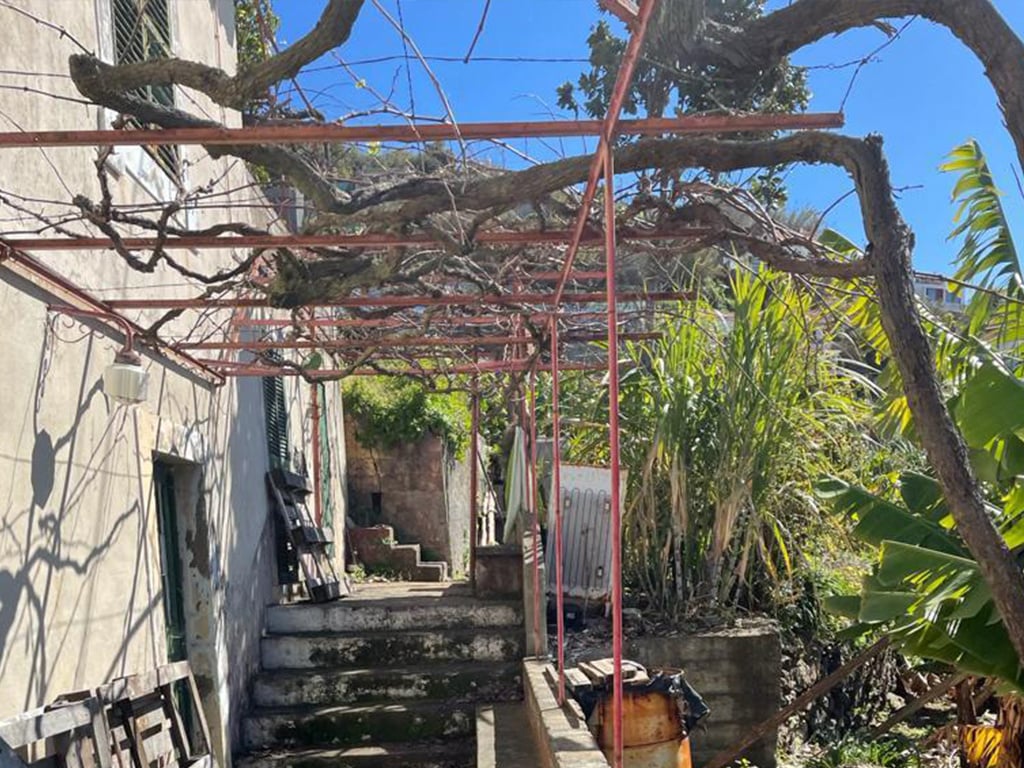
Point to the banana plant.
(988, 258)
(925, 588)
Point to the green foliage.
(925, 587)
(251, 42)
(987, 257)
(664, 83)
(727, 419)
(390, 410)
(889, 753)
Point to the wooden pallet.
(289, 492)
(132, 722)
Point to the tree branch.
(761, 43)
(331, 30)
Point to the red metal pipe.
(535, 507)
(110, 317)
(370, 240)
(314, 388)
(391, 342)
(457, 300)
(484, 366)
(613, 445)
(608, 132)
(556, 502)
(625, 10)
(474, 479)
(62, 289)
(419, 322)
(321, 133)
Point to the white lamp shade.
(126, 382)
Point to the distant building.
(935, 290)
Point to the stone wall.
(737, 671)
(424, 495)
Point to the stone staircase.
(389, 677)
(379, 552)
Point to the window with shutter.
(142, 32)
(275, 412)
(276, 415)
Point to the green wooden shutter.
(275, 413)
(142, 32)
(326, 502)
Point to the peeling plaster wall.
(80, 587)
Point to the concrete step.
(391, 649)
(429, 571)
(379, 552)
(356, 614)
(414, 755)
(504, 737)
(354, 726)
(496, 681)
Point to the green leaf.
(879, 520)
(877, 607)
(843, 605)
(991, 404)
(899, 562)
(314, 362)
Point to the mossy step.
(480, 681)
(414, 755)
(355, 614)
(353, 726)
(390, 649)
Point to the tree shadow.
(43, 535)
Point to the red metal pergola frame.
(536, 306)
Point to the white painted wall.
(80, 589)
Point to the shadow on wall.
(243, 513)
(67, 529)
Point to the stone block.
(498, 572)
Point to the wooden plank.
(101, 737)
(39, 724)
(137, 686)
(200, 718)
(577, 680)
(177, 728)
(917, 704)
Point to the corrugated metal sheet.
(586, 545)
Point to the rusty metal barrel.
(659, 710)
(652, 733)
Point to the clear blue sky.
(925, 93)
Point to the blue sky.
(925, 93)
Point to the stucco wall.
(80, 585)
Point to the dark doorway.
(171, 571)
(172, 576)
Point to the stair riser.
(447, 722)
(339, 617)
(304, 652)
(369, 761)
(432, 572)
(501, 684)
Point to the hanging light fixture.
(124, 380)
